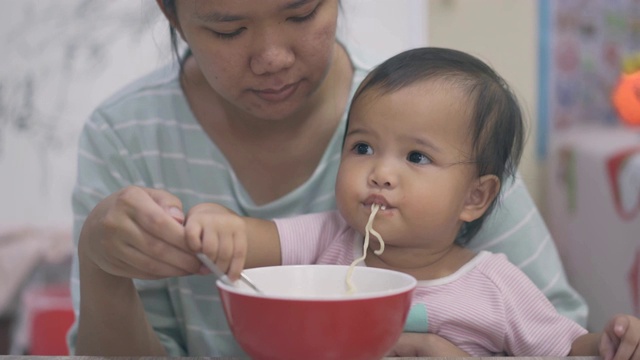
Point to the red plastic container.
(49, 313)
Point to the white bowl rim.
(347, 297)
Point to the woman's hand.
(220, 234)
(138, 233)
(424, 345)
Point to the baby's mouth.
(375, 199)
(381, 207)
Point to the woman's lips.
(275, 95)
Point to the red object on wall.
(626, 98)
(614, 164)
(632, 278)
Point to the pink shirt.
(487, 307)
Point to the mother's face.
(264, 57)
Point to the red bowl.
(305, 312)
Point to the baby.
(432, 136)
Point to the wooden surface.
(12, 357)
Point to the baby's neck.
(421, 264)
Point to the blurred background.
(563, 60)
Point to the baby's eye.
(362, 149)
(418, 158)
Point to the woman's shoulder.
(145, 94)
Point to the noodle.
(368, 229)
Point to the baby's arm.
(233, 242)
(618, 341)
(424, 344)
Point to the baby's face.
(410, 151)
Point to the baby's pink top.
(487, 307)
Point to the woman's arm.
(127, 235)
(113, 321)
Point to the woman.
(253, 119)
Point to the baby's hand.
(620, 338)
(220, 234)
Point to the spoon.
(222, 276)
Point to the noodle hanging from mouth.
(368, 229)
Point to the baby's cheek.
(344, 193)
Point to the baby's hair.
(497, 129)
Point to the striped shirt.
(488, 307)
(146, 135)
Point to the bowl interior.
(318, 282)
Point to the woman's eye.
(362, 149)
(418, 158)
(299, 19)
(227, 36)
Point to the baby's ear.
(480, 196)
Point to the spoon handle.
(222, 276)
(250, 283)
(214, 268)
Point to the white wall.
(381, 28)
(61, 58)
(504, 33)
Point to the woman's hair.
(170, 7)
(497, 126)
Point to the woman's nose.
(272, 53)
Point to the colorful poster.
(582, 44)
